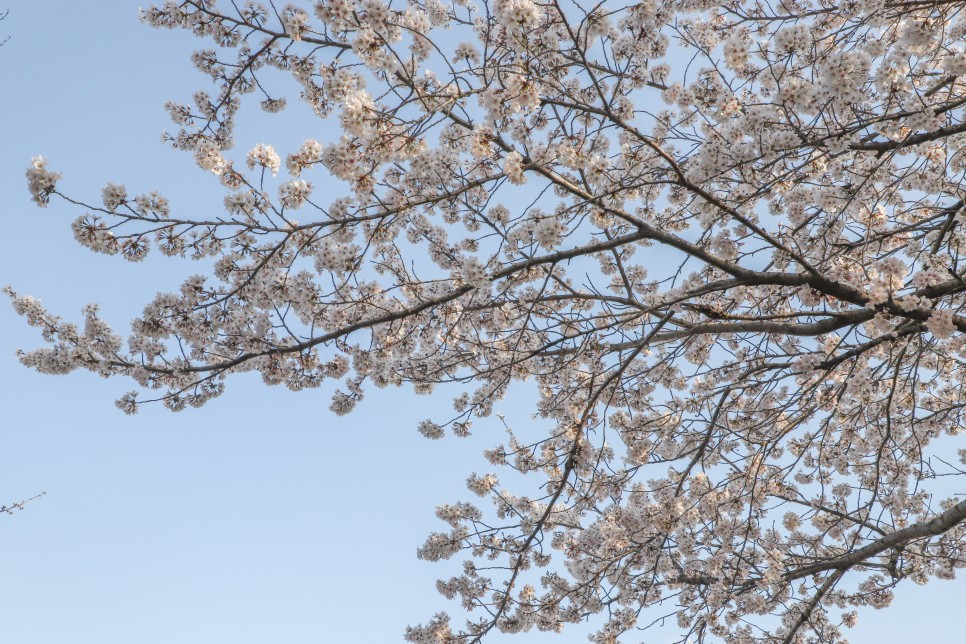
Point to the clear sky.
(259, 518)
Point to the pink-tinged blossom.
(549, 231)
(152, 204)
(436, 631)
(40, 181)
(430, 430)
(113, 196)
(295, 20)
(208, 157)
(521, 14)
(474, 273)
(941, 324)
(513, 168)
(274, 105)
(264, 156)
(294, 193)
(481, 485)
(309, 153)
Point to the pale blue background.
(260, 518)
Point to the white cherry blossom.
(721, 242)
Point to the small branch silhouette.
(8, 509)
(3, 15)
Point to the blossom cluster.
(40, 181)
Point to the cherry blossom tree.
(722, 240)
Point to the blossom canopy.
(722, 240)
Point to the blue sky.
(259, 518)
